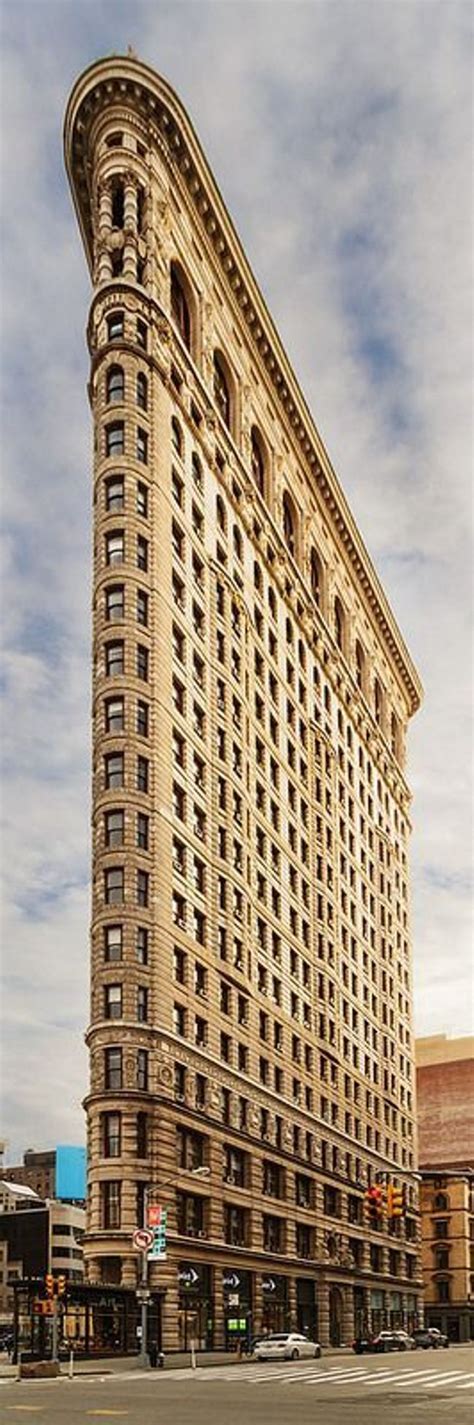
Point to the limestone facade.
(251, 961)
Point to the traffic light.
(374, 1202)
(61, 1284)
(395, 1200)
(49, 1283)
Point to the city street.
(421, 1386)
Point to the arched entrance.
(335, 1315)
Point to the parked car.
(383, 1341)
(406, 1342)
(285, 1346)
(426, 1336)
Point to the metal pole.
(144, 1283)
(71, 1364)
(54, 1348)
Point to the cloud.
(339, 134)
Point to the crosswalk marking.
(444, 1379)
(466, 1385)
(396, 1377)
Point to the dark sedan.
(383, 1341)
(429, 1336)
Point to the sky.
(339, 134)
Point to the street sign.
(155, 1214)
(142, 1239)
(143, 1294)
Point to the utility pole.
(143, 1292)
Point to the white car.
(285, 1346)
(406, 1342)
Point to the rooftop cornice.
(120, 79)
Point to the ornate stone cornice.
(125, 81)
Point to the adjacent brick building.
(445, 1095)
(251, 964)
(445, 1098)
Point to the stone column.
(94, 1271)
(129, 1270)
(130, 229)
(257, 1304)
(348, 1314)
(323, 1311)
(218, 1305)
(103, 255)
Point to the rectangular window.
(115, 327)
(142, 662)
(142, 1004)
(115, 547)
(142, 1135)
(142, 719)
(113, 1002)
(115, 439)
(113, 1068)
(114, 493)
(114, 603)
(111, 1135)
(142, 500)
(114, 828)
(110, 1204)
(142, 607)
(113, 936)
(142, 945)
(114, 659)
(142, 1069)
(142, 553)
(143, 825)
(142, 334)
(114, 715)
(143, 883)
(113, 766)
(142, 774)
(142, 446)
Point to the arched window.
(289, 524)
(360, 666)
(221, 390)
(440, 1202)
(316, 578)
(258, 461)
(378, 702)
(443, 1289)
(115, 385)
(142, 391)
(180, 306)
(118, 203)
(339, 625)
(176, 436)
(221, 514)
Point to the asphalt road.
(436, 1387)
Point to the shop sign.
(188, 1277)
(231, 1281)
(268, 1284)
(237, 1323)
(233, 1298)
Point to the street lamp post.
(144, 1291)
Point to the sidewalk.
(118, 1365)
